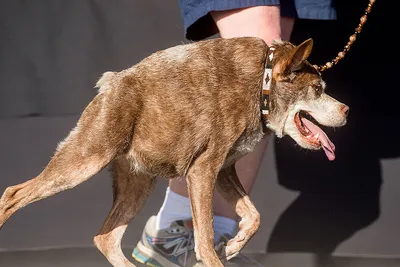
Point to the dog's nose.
(345, 109)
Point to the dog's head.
(298, 99)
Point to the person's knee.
(257, 21)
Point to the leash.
(351, 41)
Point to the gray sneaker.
(174, 247)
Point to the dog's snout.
(345, 109)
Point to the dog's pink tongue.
(327, 145)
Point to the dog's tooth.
(316, 136)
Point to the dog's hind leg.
(131, 190)
(83, 154)
(229, 186)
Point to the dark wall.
(338, 199)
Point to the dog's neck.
(266, 87)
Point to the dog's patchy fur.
(189, 111)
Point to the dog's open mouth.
(314, 135)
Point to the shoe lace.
(189, 240)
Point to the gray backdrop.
(53, 51)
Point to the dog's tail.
(89, 147)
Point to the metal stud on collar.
(352, 39)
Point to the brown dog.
(188, 111)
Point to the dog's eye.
(317, 87)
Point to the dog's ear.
(298, 55)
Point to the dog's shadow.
(339, 198)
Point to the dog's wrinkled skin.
(189, 111)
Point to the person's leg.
(263, 22)
(259, 21)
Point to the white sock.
(224, 225)
(175, 207)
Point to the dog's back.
(185, 94)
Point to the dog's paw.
(231, 256)
(235, 245)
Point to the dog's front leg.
(201, 180)
(229, 186)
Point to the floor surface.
(90, 257)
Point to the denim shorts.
(198, 23)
